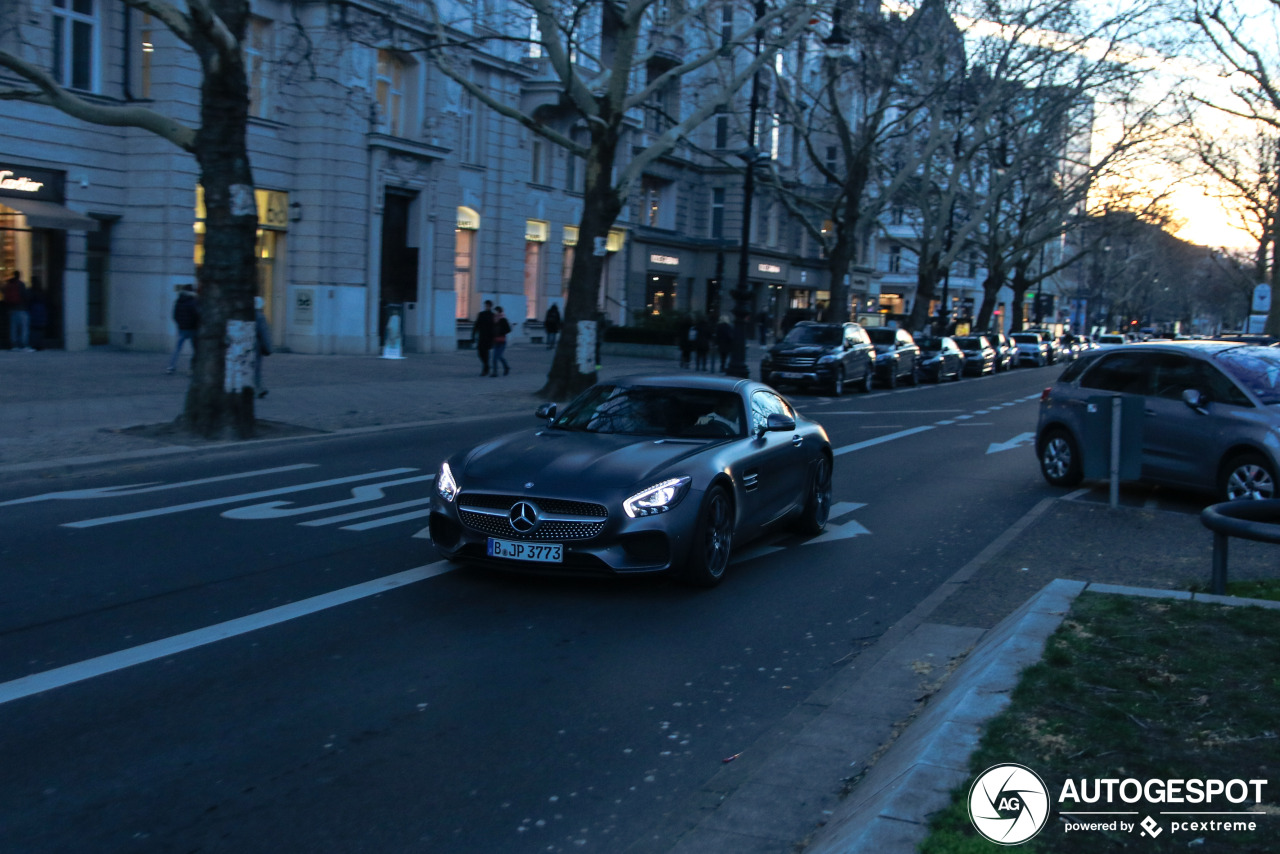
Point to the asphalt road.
(258, 650)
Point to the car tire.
(914, 379)
(1247, 476)
(868, 379)
(1060, 458)
(817, 506)
(892, 381)
(712, 540)
(837, 382)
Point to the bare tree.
(213, 30)
(1244, 46)
(615, 69)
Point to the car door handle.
(797, 440)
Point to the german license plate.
(791, 375)
(516, 550)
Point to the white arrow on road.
(1016, 442)
(844, 530)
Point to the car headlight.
(445, 484)
(826, 360)
(658, 498)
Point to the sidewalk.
(56, 405)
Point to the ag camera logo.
(1008, 804)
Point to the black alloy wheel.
(712, 540)
(817, 507)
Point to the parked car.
(829, 355)
(897, 355)
(979, 355)
(637, 475)
(1006, 350)
(940, 358)
(1032, 349)
(1211, 415)
(1112, 339)
(1052, 346)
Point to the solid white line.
(216, 502)
(858, 446)
(104, 664)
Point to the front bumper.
(808, 375)
(619, 545)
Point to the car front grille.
(793, 362)
(557, 519)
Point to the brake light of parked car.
(1044, 395)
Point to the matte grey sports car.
(641, 474)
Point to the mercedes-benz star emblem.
(523, 517)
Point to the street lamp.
(742, 293)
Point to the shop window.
(660, 295)
(257, 58)
(536, 233)
(389, 86)
(76, 36)
(464, 285)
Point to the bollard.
(1248, 519)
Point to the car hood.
(560, 458)
(800, 350)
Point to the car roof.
(713, 382)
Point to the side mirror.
(1192, 397)
(546, 410)
(776, 422)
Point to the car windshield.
(882, 334)
(1255, 368)
(930, 344)
(968, 343)
(655, 411)
(825, 335)
(1112, 339)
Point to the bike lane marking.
(140, 488)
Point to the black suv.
(823, 354)
(897, 355)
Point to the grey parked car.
(897, 355)
(1211, 414)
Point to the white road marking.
(359, 495)
(390, 520)
(1016, 442)
(879, 440)
(360, 514)
(232, 499)
(61, 676)
(139, 488)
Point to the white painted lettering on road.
(140, 488)
(233, 499)
(359, 495)
(104, 664)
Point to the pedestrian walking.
(724, 341)
(15, 299)
(186, 314)
(482, 334)
(37, 313)
(686, 335)
(551, 324)
(702, 344)
(262, 332)
(501, 329)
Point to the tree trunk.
(215, 406)
(1019, 286)
(600, 208)
(926, 289)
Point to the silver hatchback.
(1210, 415)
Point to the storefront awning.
(41, 214)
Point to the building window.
(895, 259)
(717, 212)
(535, 38)
(539, 168)
(471, 130)
(722, 131)
(536, 233)
(657, 205)
(726, 24)
(257, 55)
(75, 44)
(388, 83)
(147, 49)
(464, 259)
